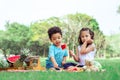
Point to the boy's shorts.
(66, 65)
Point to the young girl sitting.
(86, 49)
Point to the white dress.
(87, 56)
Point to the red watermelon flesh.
(13, 59)
(63, 46)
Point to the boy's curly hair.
(54, 30)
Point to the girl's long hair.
(85, 29)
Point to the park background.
(24, 26)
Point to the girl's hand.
(90, 41)
(71, 53)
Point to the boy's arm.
(65, 55)
(51, 56)
(54, 62)
(64, 60)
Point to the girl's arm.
(86, 49)
(75, 57)
(54, 62)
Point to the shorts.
(66, 65)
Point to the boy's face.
(56, 39)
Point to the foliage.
(25, 51)
(118, 9)
(113, 47)
(16, 37)
(35, 38)
(74, 22)
(39, 30)
(3, 61)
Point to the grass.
(111, 65)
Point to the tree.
(35, 37)
(118, 9)
(74, 22)
(17, 36)
(39, 30)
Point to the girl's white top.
(88, 56)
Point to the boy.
(56, 56)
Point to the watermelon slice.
(63, 46)
(74, 69)
(13, 59)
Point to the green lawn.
(112, 72)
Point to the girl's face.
(56, 39)
(85, 35)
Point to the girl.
(86, 49)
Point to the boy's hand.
(55, 65)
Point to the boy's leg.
(66, 65)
